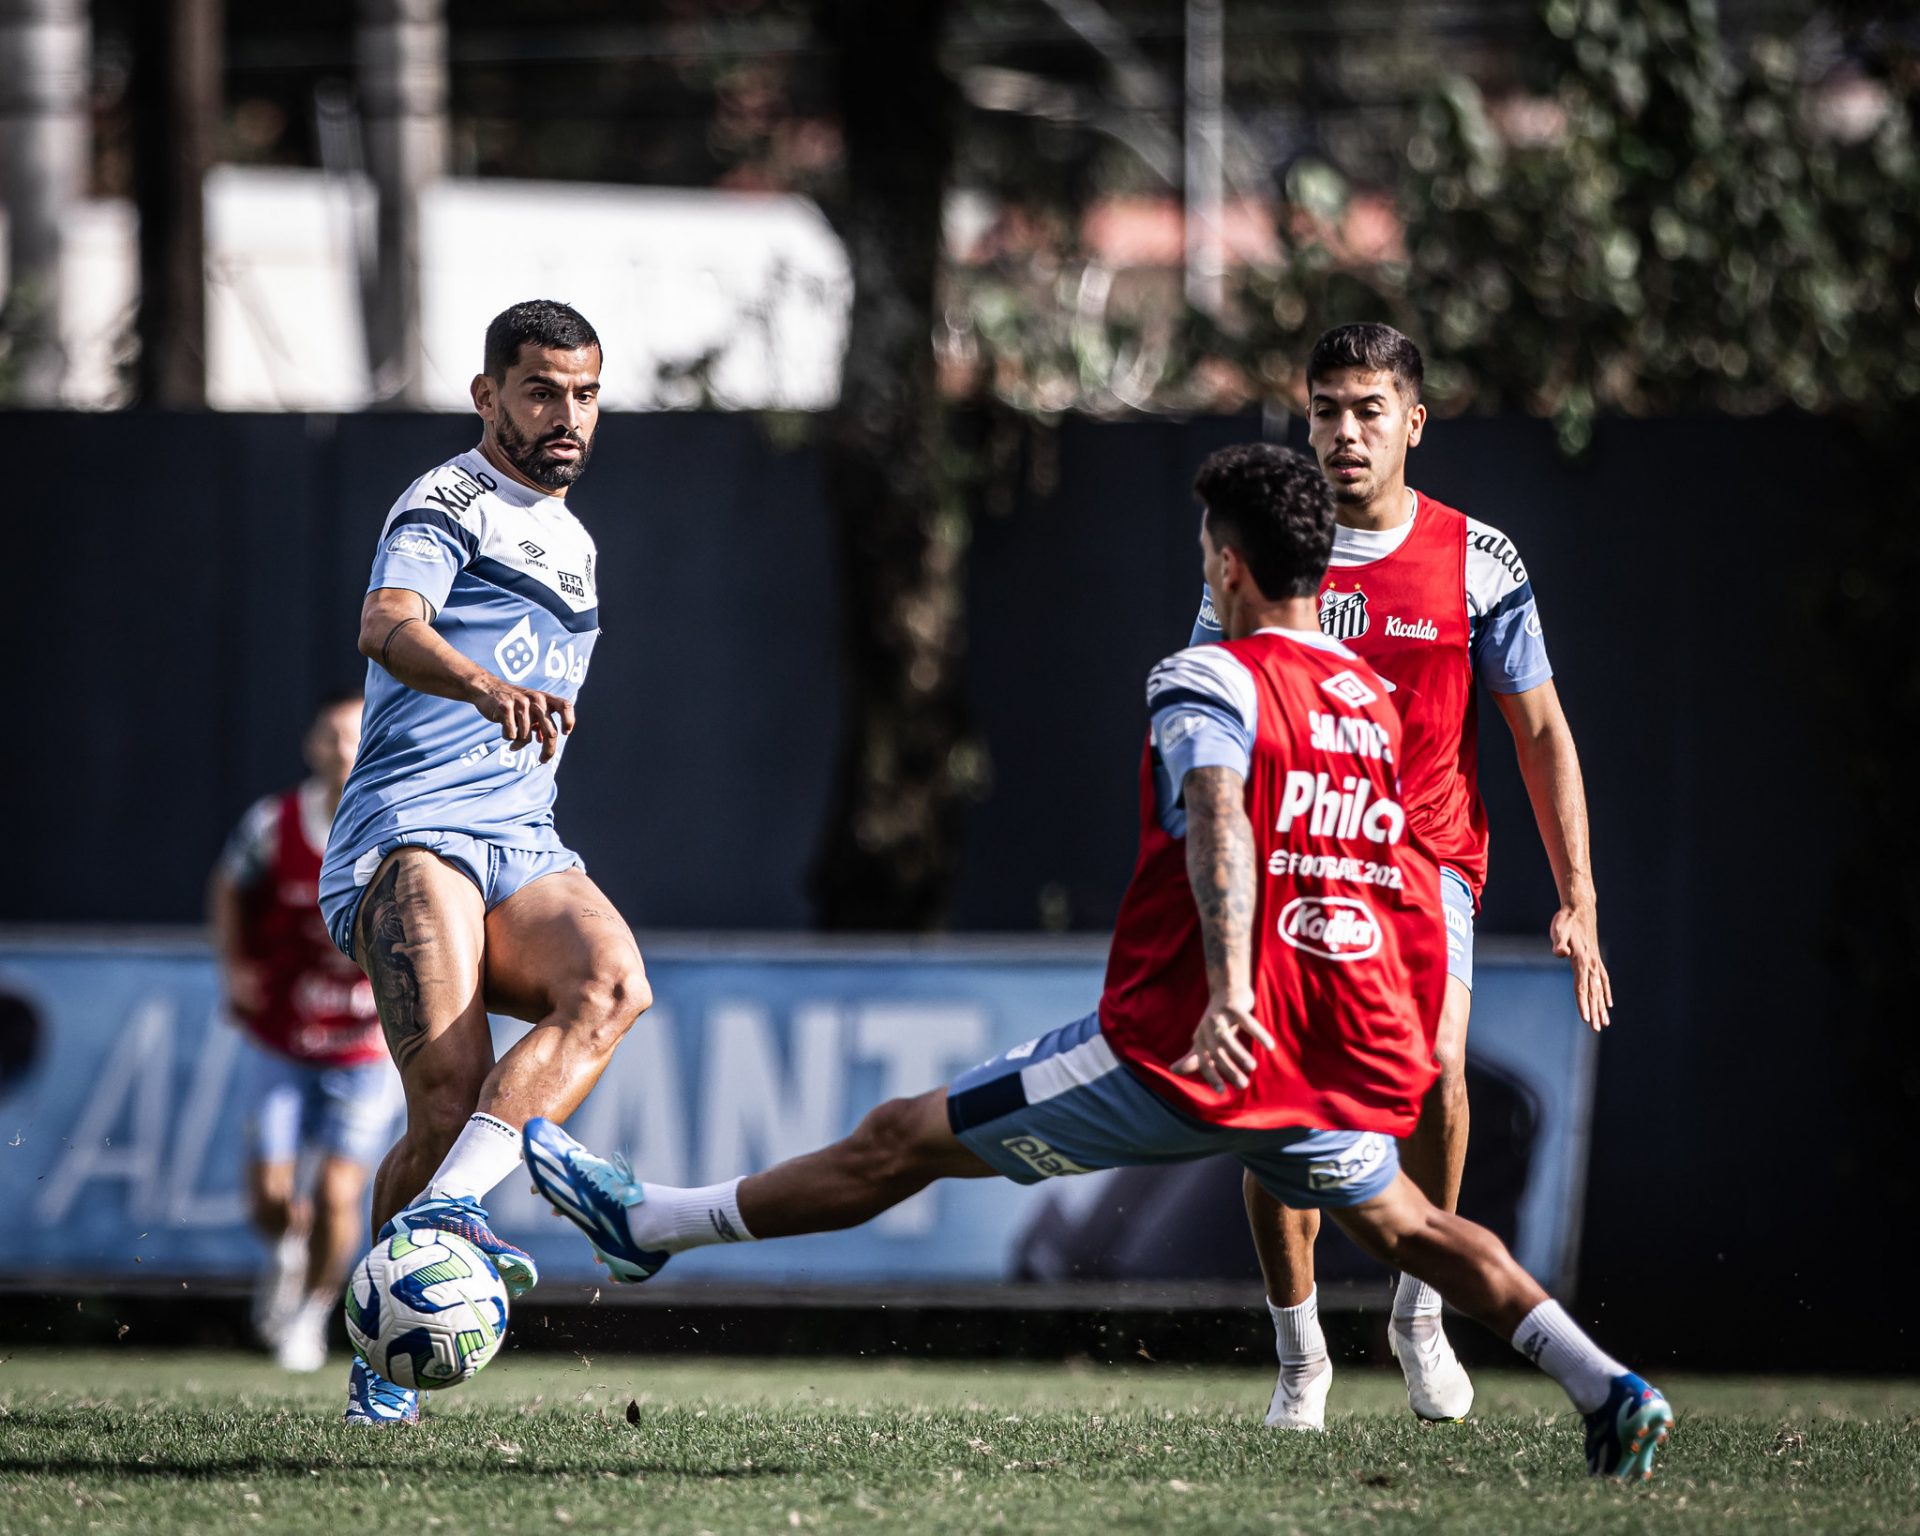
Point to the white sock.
(1296, 1335)
(674, 1220)
(1416, 1307)
(1558, 1345)
(485, 1153)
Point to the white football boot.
(303, 1341)
(1300, 1397)
(1438, 1388)
(278, 1288)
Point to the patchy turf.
(169, 1444)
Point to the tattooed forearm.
(387, 955)
(1220, 866)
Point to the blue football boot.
(594, 1195)
(465, 1217)
(1625, 1431)
(372, 1399)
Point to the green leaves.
(1666, 226)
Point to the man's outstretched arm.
(396, 630)
(1221, 869)
(1550, 765)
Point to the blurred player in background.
(1280, 906)
(444, 877)
(1439, 603)
(321, 1096)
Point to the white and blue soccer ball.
(426, 1309)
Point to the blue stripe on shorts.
(1064, 1103)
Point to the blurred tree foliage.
(1677, 235)
(1665, 228)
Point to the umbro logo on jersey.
(1343, 615)
(1347, 687)
(531, 550)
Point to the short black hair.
(334, 698)
(1275, 507)
(541, 322)
(1369, 347)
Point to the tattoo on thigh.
(396, 985)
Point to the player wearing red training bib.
(1441, 605)
(1270, 993)
(318, 1080)
(1349, 978)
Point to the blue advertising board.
(123, 1112)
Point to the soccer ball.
(426, 1309)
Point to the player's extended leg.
(895, 1152)
(1626, 1418)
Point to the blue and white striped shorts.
(1064, 1103)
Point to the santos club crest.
(1343, 615)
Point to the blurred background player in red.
(320, 1090)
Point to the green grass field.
(169, 1443)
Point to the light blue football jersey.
(509, 572)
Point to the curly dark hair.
(1372, 348)
(536, 322)
(1274, 506)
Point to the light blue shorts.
(1066, 1104)
(333, 1111)
(497, 871)
(1456, 896)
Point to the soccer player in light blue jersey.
(444, 877)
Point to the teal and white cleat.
(1625, 1431)
(592, 1193)
(375, 1401)
(466, 1217)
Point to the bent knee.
(610, 999)
(340, 1181)
(892, 1138)
(1450, 1056)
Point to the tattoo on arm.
(387, 644)
(1220, 867)
(389, 964)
